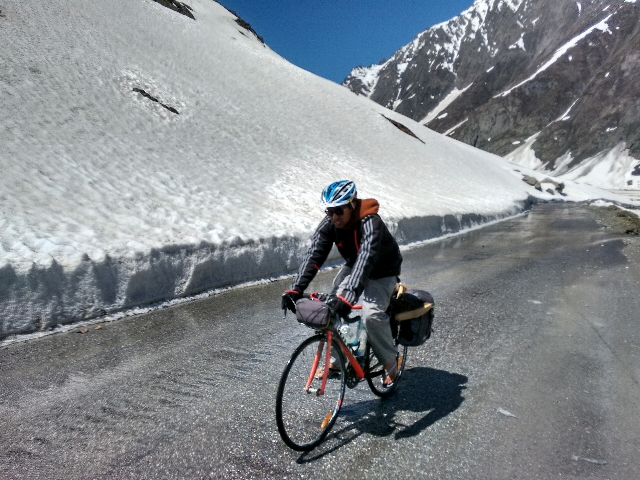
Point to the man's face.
(339, 216)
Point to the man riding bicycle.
(371, 269)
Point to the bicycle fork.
(314, 368)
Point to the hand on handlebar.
(339, 306)
(289, 299)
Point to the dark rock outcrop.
(176, 6)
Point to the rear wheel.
(303, 416)
(376, 374)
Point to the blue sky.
(330, 37)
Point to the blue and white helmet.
(339, 193)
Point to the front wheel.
(304, 416)
(376, 374)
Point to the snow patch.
(602, 26)
(610, 169)
(519, 44)
(565, 116)
(453, 129)
(369, 77)
(444, 103)
(514, 5)
(504, 412)
(525, 156)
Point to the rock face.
(561, 75)
(176, 6)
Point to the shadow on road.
(435, 393)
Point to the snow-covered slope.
(147, 155)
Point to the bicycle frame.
(360, 374)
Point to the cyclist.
(371, 270)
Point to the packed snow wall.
(44, 297)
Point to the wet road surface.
(533, 371)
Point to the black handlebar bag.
(313, 313)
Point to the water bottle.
(362, 337)
(349, 332)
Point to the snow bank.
(148, 156)
(612, 169)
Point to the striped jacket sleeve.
(321, 245)
(367, 255)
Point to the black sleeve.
(321, 244)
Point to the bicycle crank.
(351, 380)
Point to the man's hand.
(339, 306)
(289, 299)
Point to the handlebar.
(323, 297)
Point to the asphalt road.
(533, 371)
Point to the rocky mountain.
(553, 84)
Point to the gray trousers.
(374, 300)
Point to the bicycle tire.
(304, 419)
(375, 371)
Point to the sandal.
(333, 372)
(390, 375)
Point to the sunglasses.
(334, 210)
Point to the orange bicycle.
(312, 386)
